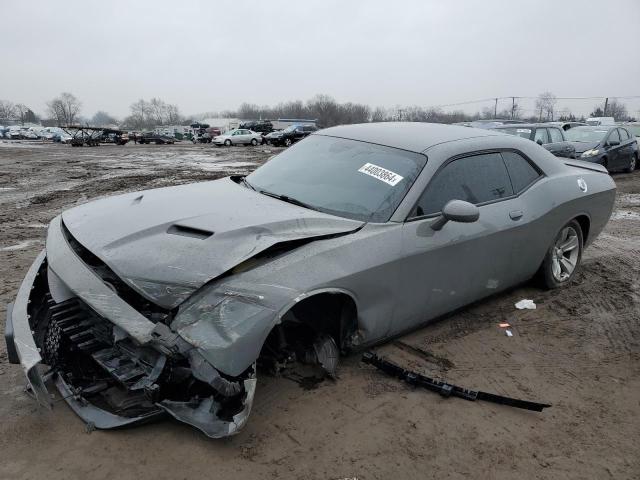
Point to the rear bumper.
(18, 335)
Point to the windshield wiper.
(288, 199)
(246, 183)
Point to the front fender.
(230, 322)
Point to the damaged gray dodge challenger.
(167, 301)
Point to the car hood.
(166, 243)
(584, 146)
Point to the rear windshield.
(585, 134)
(348, 178)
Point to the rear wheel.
(254, 142)
(563, 257)
(632, 164)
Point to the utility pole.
(606, 104)
(513, 107)
(495, 109)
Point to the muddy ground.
(579, 351)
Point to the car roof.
(412, 136)
(596, 127)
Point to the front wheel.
(632, 164)
(287, 142)
(563, 257)
(227, 143)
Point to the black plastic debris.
(446, 389)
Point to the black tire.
(633, 164)
(254, 142)
(553, 267)
(287, 142)
(227, 143)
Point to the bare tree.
(153, 113)
(64, 109)
(101, 119)
(379, 115)
(8, 110)
(545, 105)
(617, 110)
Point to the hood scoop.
(192, 232)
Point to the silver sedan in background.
(239, 136)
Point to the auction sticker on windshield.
(382, 174)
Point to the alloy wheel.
(565, 254)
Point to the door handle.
(516, 214)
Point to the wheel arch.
(329, 310)
(585, 224)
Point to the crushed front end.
(111, 353)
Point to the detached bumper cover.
(19, 338)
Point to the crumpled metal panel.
(133, 237)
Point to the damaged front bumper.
(112, 365)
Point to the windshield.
(585, 134)
(290, 128)
(348, 178)
(520, 132)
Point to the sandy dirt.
(579, 350)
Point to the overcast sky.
(210, 56)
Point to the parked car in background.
(290, 135)
(550, 137)
(612, 146)
(566, 125)
(260, 126)
(597, 121)
(491, 123)
(157, 138)
(239, 136)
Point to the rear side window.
(521, 171)
(477, 179)
(541, 134)
(623, 134)
(556, 135)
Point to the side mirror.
(539, 142)
(456, 211)
(613, 143)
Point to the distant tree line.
(65, 109)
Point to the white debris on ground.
(526, 304)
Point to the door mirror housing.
(456, 211)
(613, 143)
(539, 142)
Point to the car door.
(298, 133)
(558, 146)
(462, 262)
(626, 147)
(612, 147)
(541, 137)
